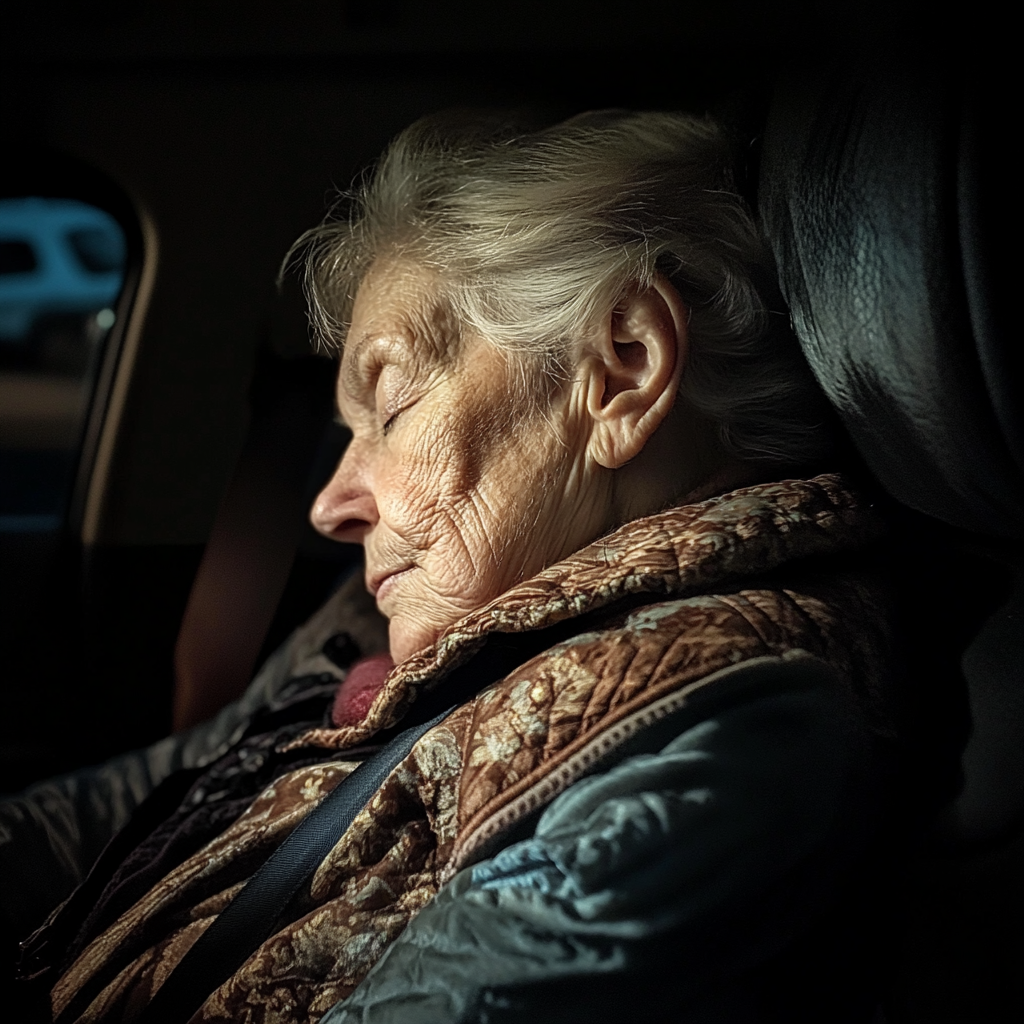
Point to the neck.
(681, 464)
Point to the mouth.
(380, 584)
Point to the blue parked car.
(60, 260)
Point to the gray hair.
(539, 234)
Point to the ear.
(632, 370)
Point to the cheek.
(522, 490)
(469, 482)
(514, 480)
(423, 478)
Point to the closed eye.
(390, 422)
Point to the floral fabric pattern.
(686, 596)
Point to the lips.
(380, 584)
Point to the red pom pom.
(361, 685)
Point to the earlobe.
(635, 365)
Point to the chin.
(405, 640)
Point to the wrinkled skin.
(458, 485)
(456, 488)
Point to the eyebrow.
(351, 374)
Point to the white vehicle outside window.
(62, 267)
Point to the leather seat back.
(878, 195)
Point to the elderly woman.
(621, 759)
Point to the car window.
(62, 268)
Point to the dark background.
(217, 133)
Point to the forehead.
(398, 298)
(395, 289)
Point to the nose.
(345, 509)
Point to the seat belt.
(251, 916)
(249, 919)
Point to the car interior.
(165, 420)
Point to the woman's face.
(456, 487)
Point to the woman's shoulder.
(649, 850)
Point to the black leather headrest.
(883, 191)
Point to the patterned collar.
(677, 553)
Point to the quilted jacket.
(681, 761)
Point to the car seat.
(882, 190)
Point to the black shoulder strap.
(250, 917)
